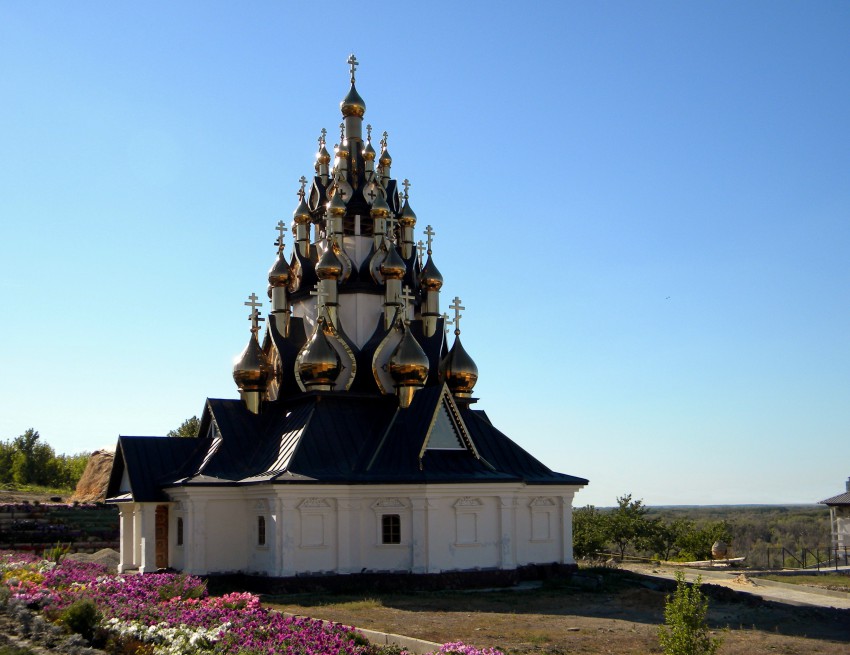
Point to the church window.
(261, 530)
(391, 529)
(179, 531)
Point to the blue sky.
(644, 207)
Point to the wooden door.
(161, 536)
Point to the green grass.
(14, 650)
(37, 489)
(831, 580)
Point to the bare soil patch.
(622, 618)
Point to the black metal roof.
(330, 438)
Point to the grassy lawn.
(826, 580)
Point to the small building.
(355, 444)
(839, 521)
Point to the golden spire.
(353, 104)
(279, 273)
(458, 370)
(368, 151)
(301, 215)
(342, 151)
(318, 363)
(408, 366)
(386, 159)
(323, 156)
(251, 370)
(407, 218)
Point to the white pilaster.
(567, 529)
(507, 532)
(419, 534)
(147, 537)
(126, 539)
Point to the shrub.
(81, 617)
(685, 630)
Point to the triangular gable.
(446, 429)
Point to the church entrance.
(161, 536)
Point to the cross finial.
(281, 230)
(254, 316)
(457, 307)
(391, 221)
(406, 184)
(321, 296)
(429, 234)
(353, 63)
(341, 133)
(421, 248)
(384, 140)
(406, 299)
(400, 198)
(447, 322)
(369, 133)
(303, 182)
(322, 137)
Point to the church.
(355, 444)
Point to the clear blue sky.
(644, 207)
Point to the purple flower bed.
(174, 614)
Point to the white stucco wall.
(321, 529)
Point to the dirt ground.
(622, 618)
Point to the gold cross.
(321, 295)
(429, 234)
(384, 141)
(456, 306)
(405, 296)
(406, 184)
(322, 138)
(254, 316)
(281, 230)
(352, 61)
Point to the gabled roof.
(328, 438)
(840, 499)
(149, 463)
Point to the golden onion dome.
(386, 159)
(409, 364)
(329, 266)
(459, 371)
(430, 278)
(353, 104)
(323, 156)
(280, 273)
(380, 208)
(336, 207)
(393, 266)
(301, 215)
(407, 218)
(369, 152)
(342, 150)
(319, 363)
(251, 370)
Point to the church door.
(161, 536)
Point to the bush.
(685, 630)
(81, 617)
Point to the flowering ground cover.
(172, 614)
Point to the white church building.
(355, 445)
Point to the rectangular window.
(391, 529)
(179, 531)
(261, 530)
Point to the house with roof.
(356, 443)
(839, 522)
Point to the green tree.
(32, 460)
(188, 428)
(627, 523)
(685, 630)
(589, 535)
(664, 536)
(696, 544)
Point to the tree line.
(687, 533)
(26, 460)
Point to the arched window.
(261, 530)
